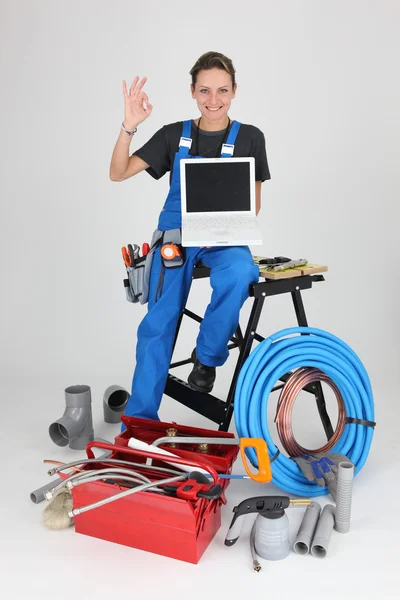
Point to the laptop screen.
(212, 187)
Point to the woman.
(232, 268)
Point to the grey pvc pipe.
(115, 400)
(75, 427)
(343, 496)
(307, 528)
(323, 532)
(38, 495)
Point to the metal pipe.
(110, 461)
(108, 474)
(141, 488)
(113, 477)
(48, 495)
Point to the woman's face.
(213, 93)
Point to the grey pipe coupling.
(75, 427)
(323, 532)
(307, 528)
(115, 400)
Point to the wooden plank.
(299, 272)
(308, 269)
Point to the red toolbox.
(151, 521)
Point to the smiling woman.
(213, 88)
(232, 268)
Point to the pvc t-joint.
(75, 427)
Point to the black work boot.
(202, 378)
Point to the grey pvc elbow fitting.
(323, 532)
(306, 532)
(75, 427)
(343, 496)
(115, 400)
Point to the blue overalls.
(232, 272)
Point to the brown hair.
(211, 60)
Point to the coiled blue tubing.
(274, 357)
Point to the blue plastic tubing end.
(282, 352)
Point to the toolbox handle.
(147, 454)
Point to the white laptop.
(219, 202)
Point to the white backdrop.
(320, 79)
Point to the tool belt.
(137, 283)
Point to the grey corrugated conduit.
(343, 496)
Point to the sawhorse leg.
(245, 349)
(317, 387)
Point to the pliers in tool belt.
(130, 255)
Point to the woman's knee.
(242, 268)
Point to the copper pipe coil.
(288, 396)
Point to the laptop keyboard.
(217, 223)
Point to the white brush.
(55, 515)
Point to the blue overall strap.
(186, 141)
(229, 146)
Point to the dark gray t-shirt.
(159, 151)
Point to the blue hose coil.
(277, 355)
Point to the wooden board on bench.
(308, 269)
